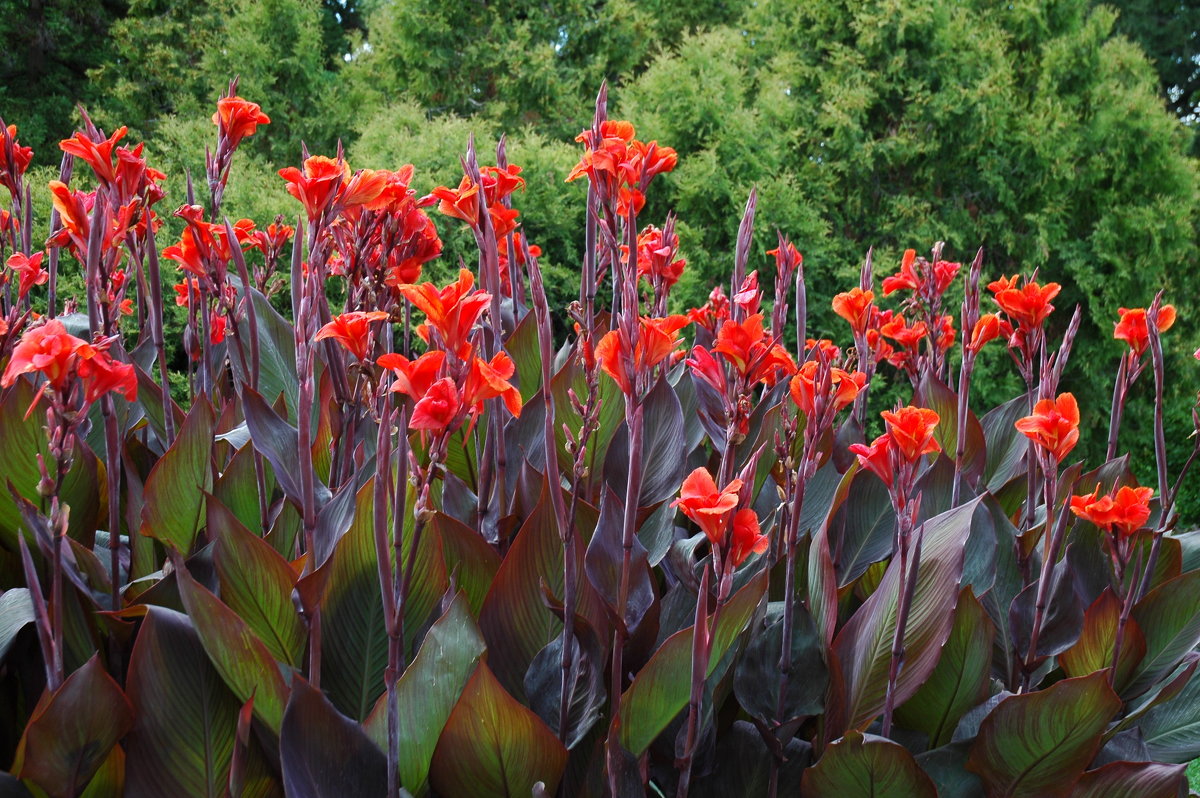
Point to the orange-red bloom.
(101, 374)
(1134, 330)
(855, 307)
(49, 349)
(96, 154)
(438, 408)
(414, 377)
(843, 387)
(238, 118)
(451, 311)
(318, 185)
(710, 507)
(1029, 305)
(1054, 425)
(876, 457)
(658, 338)
(988, 327)
(12, 170)
(352, 330)
(911, 430)
(29, 271)
(747, 537)
(1124, 511)
(490, 380)
(906, 278)
(745, 345)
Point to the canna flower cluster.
(620, 166)
(76, 373)
(733, 532)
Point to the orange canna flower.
(451, 311)
(1124, 511)
(489, 380)
(747, 537)
(29, 271)
(318, 185)
(48, 349)
(102, 374)
(438, 408)
(843, 387)
(988, 327)
(1134, 330)
(238, 118)
(1054, 425)
(658, 338)
(745, 345)
(911, 430)
(11, 171)
(710, 507)
(414, 377)
(1027, 306)
(906, 278)
(96, 154)
(352, 330)
(876, 457)
(855, 307)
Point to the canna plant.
(429, 536)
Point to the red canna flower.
(1124, 511)
(989, 326)
(48, 349)
(1054, 425)
(747, 537)
(657, 340)
(710, 507)
(237, 118)
(843, 387)
(489, 380)
(707, 368)
(855, 307)
(29, 271)
(713, 312)
(1134, 330)
(906, 278)
(451, 311)
(318, 185)
(745, 345)
(96, 154)
(216, 328)
(876, 458)
(102, 374)
(1029, 305)
(414, 377)
(460, 203)
(352, 330)
(944, 334)
(11, 171)
(438, 408)
(899, 331)
(656, 252)
(911, 430)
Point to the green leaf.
(1172, 728)
(522, 345)
(493, 746)
(1005, 446)
(935, 395)
(174, 500)
(1169, 617)
(1133, 780)
(237, 488)
(72, 730)
(16, 610)
(961, 678)
(866, 767)
(1036, 745)
(468, 556)
(864, 645)
(256, 582)
(663, 457)
(22, 440)
(428, 690)
(663, 686)
(1093, 651)
(323, 753)
(235, 651)
(185, 717)
(822, 578)
(276, 353)
(354, 638)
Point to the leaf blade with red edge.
(493, 746)
(1133, 780)
(174, 499)
(857, 765)
(1036, 745)
(323, 753)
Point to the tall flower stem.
(906, 507)
(970, 315)
(1166, 514)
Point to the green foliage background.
(1060, 135)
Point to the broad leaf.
(1169, 617)
(604, 559)
(1004, 444)
(174, 500)
(864, 645)
(934, 394)
(543, 683)
(1036, 745)
(1093, 651)
(662, 456)
(256, 583)
(663, 686)
(961, 678)
(1133, 780)
(235, 651)
(1172, 728)
(757, 679)
(427, 692)
(493, 746)
(16, 611)
(468, 556)
(867, 767)
(72, 730)
(323, 753)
